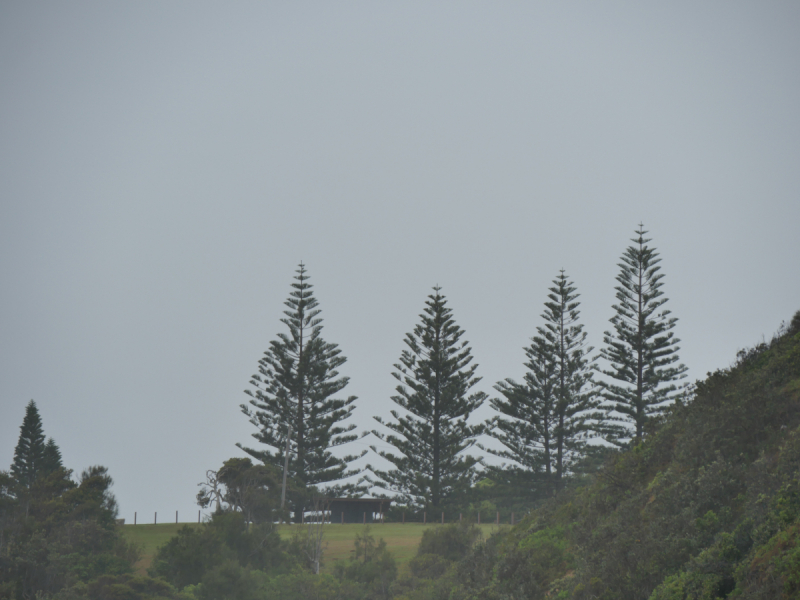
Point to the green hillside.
(707, 507)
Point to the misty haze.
(399, 301)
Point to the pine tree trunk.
(640, 415)
(436, 432)
(301, 455)
(561, 404)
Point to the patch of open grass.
(149, 537)
(401, 539)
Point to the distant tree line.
(558, 421)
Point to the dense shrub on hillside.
(196, 554)
(120, 587)
(707, 506)
(451, 542)
(370, 570)
(432, 572)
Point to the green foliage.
(228, 580)
(435, 375)
(253, 490)
(51, 458)
(545, 421)
(372, 567)
(706, 506)
(56, 534)
(197, 552)
(303, 585)
(30, 459)
(227, 559)
(121, 587)
(433, 571)
(452, 542)
(642, 351)
(58, 537)
(547, 552)
(429, 566)
(295, 388)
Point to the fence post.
(479, 517)
(424, 517)
(404, 517)
(134, 518)
(365, 517)
(155, 518)
(198, 517)
(512, 518)
(176, 517)
(342, 513)
(442, 517)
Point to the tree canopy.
(295, 390)
(33, 457)
(545, 421)
(436, 374)
(642, 350)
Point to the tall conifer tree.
(432, 433)
(29, 455)
(52, 457)
(642, 350)
(546, 420)
(295, 388)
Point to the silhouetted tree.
(29, 455)
(642, 350)
(546, 420)
(295, 387)
(253, 490)
(435, 377)
(52, 457)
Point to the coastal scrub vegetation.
(706, 506)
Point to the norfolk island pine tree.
(545, 421)
(52, 457)
(642, 350)
(33, 457)
(432, 433)
(295, 386)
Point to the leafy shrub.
(429, 566)
(452, 542)
(372, 566)
(196, 551)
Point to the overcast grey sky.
(165, 166)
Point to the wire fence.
(136, 520)
(421, 517)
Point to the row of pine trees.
(547, 425)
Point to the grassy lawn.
(402, 540)
(149, 538)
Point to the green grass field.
(402, 540)
(149, 538)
